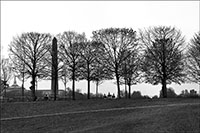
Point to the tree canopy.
(163, 56)
(193, 59)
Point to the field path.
(98, 110)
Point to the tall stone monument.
(54, 75)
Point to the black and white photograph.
(100, 66)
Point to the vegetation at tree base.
(163, 56)
(155, 56)
(170, 93)
(155, 97)
(44, 95)
(134, 95)
(191, 94)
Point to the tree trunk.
(88, 79)
(125, 80)
(33, 87)
(129, 91)
(65, 88)
(88, 89)
(164, 89)
(5, 92)
(125, 90)
(73, 85)
(23, 86)
(36, 85)
(118, 86)
(164, 84)
(4, 89)
(97, 89)
(199, 87)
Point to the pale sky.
(86, 16)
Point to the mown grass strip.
(97, 110)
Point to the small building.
(14, 87)
(14, 90)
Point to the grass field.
(148, 116)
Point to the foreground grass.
(161, 119)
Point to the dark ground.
(185, 118)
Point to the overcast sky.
(86, 16)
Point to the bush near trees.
(136, 94)
(170, 93)
(189, 94)
(155, 97)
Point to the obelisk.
(54, 75)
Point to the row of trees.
(156, 55)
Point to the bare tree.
(89, 54)
(101, 73)
(70, 51)
(20, 70)
(31, 49)
(21, 74)
(131, 70)
(193, 59)
(163, 56)
(64, 76)
(115, 42)
(98, 82)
